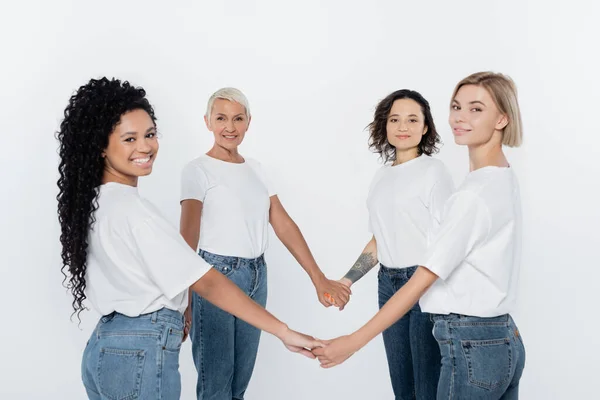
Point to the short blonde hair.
(504, 93)
(227, 93)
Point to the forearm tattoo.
(364, 264)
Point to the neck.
(487, 154)
(223, 154)
(403, 156)
(111, 175)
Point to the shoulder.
(435, 167)
(199, 163)
(121, 210)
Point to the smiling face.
(405, 125)
(228, 122)
(132, 148)
(474, 116)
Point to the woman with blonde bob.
(468, 280)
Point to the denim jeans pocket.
(489, 362)
(120, 373)
(173, 339)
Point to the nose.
(143, 146)
(402, 126)
(230, 127)
(457, 116)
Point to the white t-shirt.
(235, 205)
(476, 251)
(137, 261)
(405, 204)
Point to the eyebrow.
(236, 115)
(471, 102)
(397, 115)
(477, 102)
(152, 128)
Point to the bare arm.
(400, 303)
(212, 286)
(189, 228)
(338, 350)
(189, 222)
(288, 232)
(366, 261)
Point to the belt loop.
(154, 317)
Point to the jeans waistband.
(163, 314)
(211, 257)
(505, 318)
(404, 271)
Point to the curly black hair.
(378, 141)
(90, 117)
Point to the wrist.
(357, 341)
(360, 338)
(317, 278)
(281, 330)
(346, 281)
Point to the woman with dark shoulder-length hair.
(405, 203)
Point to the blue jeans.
(412, 352)
(482, 358)
(134, 358)
(224, 347)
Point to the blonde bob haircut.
(504, 93)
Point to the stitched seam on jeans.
(451, 394)
(203, 383)
(255, 280)
(149, 334)
(466, 324)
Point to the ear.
(502, 122)
(249, 120)
(207, 122)
(425, 130)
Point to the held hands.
(336, 351)
(333, 293)
(330, 352)
(300, 343)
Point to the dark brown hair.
(378, 141)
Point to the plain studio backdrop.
(313, 72)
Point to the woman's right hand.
(297, 342)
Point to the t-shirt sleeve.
(168, 260)
(194, 183)
(465, 224)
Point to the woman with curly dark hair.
(405, 203)
(120, 255)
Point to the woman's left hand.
(187, 325)
(336, 351)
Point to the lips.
(402, 137)
(460, 131)
(143, 162)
